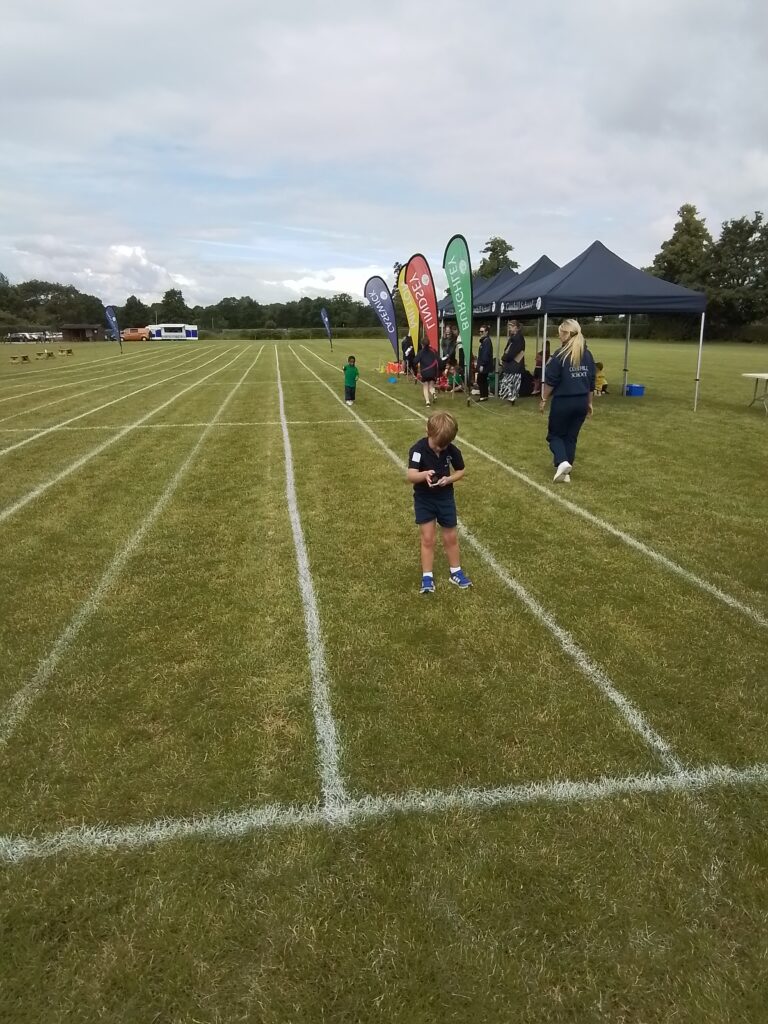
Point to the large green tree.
(173, 308)
(686, 257)
(135, 313)
(739, 272)
(45, 303)
(496, 257)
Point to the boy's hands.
(428, 475)
(442, 482)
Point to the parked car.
(136, 334)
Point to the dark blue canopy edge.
(541, 268)
(599, 281)
(485, 292)
(479, 285)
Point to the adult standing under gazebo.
(569, 379)
(484, 363)
(512, 363)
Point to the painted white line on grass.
(99, 408)
(85, 380)
(54, 371)
(334, 790)
(18, 706)
(91, 839)
(588, 667)
(626, 538)
(568, 645)
(36, 492)
(225, 423)
(124, 379)
(269, 380)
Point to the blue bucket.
(635, 390)
(391, 380)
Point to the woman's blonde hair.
(442, 428)
(573, 349)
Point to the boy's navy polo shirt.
(570, 381)
(422, 457)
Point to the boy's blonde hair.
(442, 427)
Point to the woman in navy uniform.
(484, 362)
(569, 379)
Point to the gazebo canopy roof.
(599, 281)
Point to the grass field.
(249, 774)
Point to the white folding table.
(763, 395)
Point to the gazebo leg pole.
(543, 351)
(497, 355)
(698, 364)
(538, 337)
(626, 354)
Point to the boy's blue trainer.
(461, 580)
(427, 585)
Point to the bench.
(66, 352)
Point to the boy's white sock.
(427, 574)
(455, 569)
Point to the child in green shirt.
(351, 373)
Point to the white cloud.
(332, 282)
(107, 272)
(230, 151)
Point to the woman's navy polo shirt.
(569, 381)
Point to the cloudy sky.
(281, 149)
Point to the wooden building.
(82, 332)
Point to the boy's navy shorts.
(435, 505)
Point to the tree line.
(732, 270)
(45, 304)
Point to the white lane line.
(36, 492)
(266, 380)
(46, 371)
(232, 825)
(626, 538)
(328, 753)
(225, 423)
(85, 380)
(17, 707)
(100, 408)
(566, 642)
(124, 379)
(588, 667)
